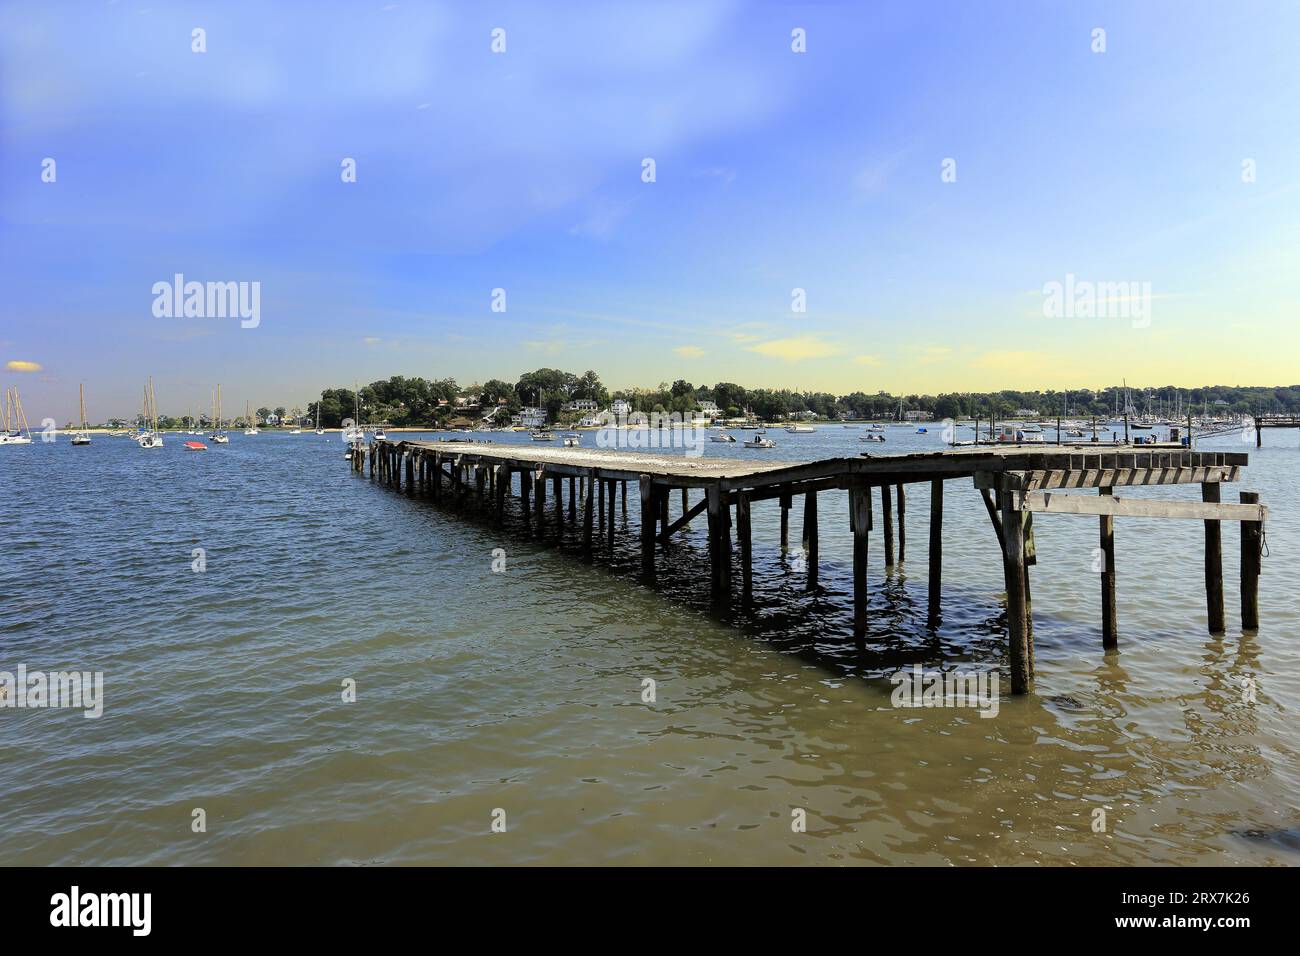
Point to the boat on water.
(871, 437)
(196, 446)
(15, 430)
(218, 435)
(152, 436)
(252, 428)
(572, 441)
(758, 441)
(541, 436)
(800, 429)
(724, 437)
(295, 431)
(83, 436)
(922, 430)
(352, 433)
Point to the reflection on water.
(522, 690)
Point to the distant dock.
(1015, 483)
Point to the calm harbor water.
(521, 691)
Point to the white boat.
(218, 435)
(379, 434)
(871, 436)
(319, 430)
(541, 436)
(800, 429)
(572, 441)
(724, 437)
(15, 430)
(353, 433)
(82, 437)
(295, 431)
(252, 428)
(758, 441)
(152, 436)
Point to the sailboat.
(15, 431)
(319, 430)
(354, 432)
(218, 435)
(252, 428)
(82, 437)
(151, 437)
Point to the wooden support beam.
(1054, 502)
(746, 550)
(557, 491)
(785, 518)
(686, 511)
(887, 511)
(1214, 609)
(1252, 538)
(1087, 475)
(1109, 606)
(623, 485)
(410, 473)
(649, 512)
(810, 538)
(685, 519)
(661, 496)
(610, 529)
(600, 503)
(588, 518)
(860, 525)
(573, 499)
(1013, 565)
(936, 548)
(719, 545)
(539, 503)
(525, 481)
(901, 494)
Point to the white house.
(620, 408)
(708, 409)
(530, 417)
(581, 405)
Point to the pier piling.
(1214, 609)
(1251, 547)
(1109, 613)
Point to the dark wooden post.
(746, 550)
(480, 483)
(719, 545)
(860, 525)
(649, 513)
(573, 496)
(662, 500)
(1213, 564)
(588, 516)
(1251, 547)
(810, 537)
(936, 547)
(410, 473)
(623, 485)
(887, 510)
(785, 518)
(557, 489)
(1109, 613)
(437, 476)
(902, 524)
(525, 480)
(539, 503)
(600, 502)
(610, 529)
(686, 508)
(1013, 565)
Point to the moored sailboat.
(82, 437)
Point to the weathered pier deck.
(1014, 483)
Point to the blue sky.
(522, 170)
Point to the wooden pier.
(1273, 421)
(1014, 482)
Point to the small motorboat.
(295, 431)
(871, 437)
(758, 441)
(196, 446)
(922, 430)
(542, 436)
(800, 429)
(724, 437)
(219, 438)
(572, 441)
(379, 435)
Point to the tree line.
(402, 401)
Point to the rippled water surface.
(522, 690)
